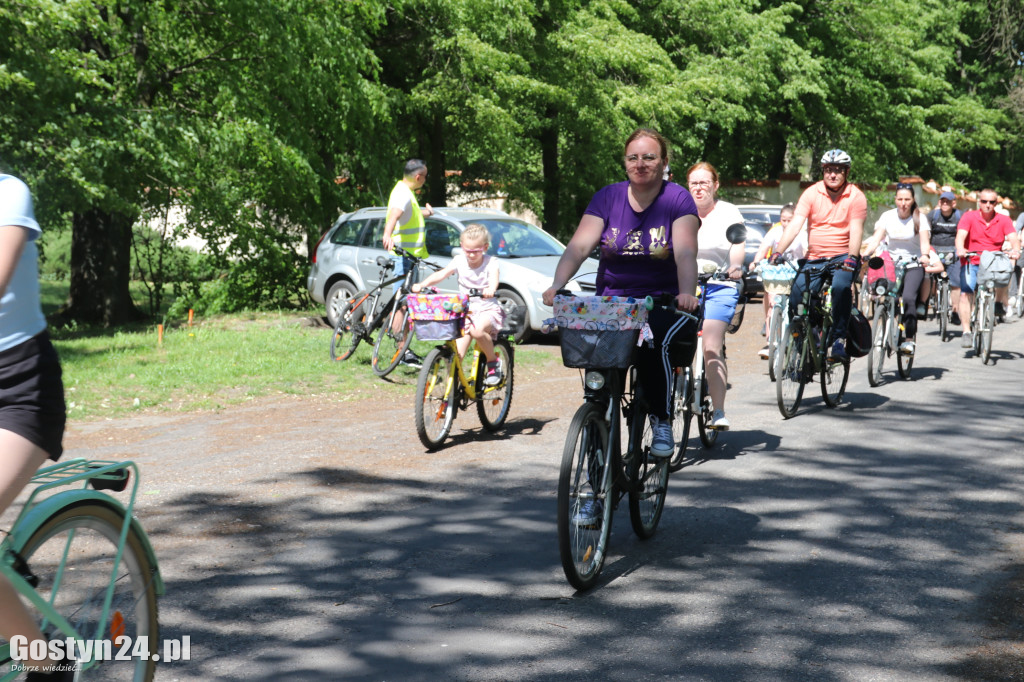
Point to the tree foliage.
(259, 121)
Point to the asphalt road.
(308, 539)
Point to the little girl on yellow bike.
(477, 270)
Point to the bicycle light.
(594, 380)
(881, 286)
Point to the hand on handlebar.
(851, 263)
(687, 302)
(776, 258)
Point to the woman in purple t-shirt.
(647, 230)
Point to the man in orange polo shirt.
(834, 211)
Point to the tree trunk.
(100, 269)
(437, 187)
(552, 181)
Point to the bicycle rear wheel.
(682, 415)
(988, 323)
(775, 331)
(584, 480)
(834, 376)
(879, 340)
(391, 345)
(1018, 302)
(350, 330)
(649, 476)
(493, 402)
(789, 372)
(73, 556)
(436, 398)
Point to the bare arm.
(433, 278)
(492, 280)
(389, 227)
(684, 248)
(874, 241)
(856, 236)
(961, 240)
(587, 236)
(12, 243)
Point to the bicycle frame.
(821, 303)
(39, 507)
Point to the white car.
(345, 259)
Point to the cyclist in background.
(979, 231)
(834, 211)
(943, 221)
(769, 246)
(646, 228)
(32, 413)
(905, 232)
(721, 297)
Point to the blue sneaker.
(589, 513)
(839, 351)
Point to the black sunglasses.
(904, 185)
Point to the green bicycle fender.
(42, 511)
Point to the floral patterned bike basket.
(598, 332)
(438, 317)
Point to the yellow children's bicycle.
(448, 383)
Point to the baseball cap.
(949, 196)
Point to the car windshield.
(516, 239)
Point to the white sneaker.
(662, 444)
(763, 353)
(718, 421)
(907, 347)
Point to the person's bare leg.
(20, 461)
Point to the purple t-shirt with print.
(636, 248)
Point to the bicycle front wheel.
(436, 398)
(682, 415)
(585, 497)
(988, 323)
(943, 311)
(352, 318)
(391, 344)
(789, 372)
(879, 339)
(904, 361)
(493, 402)
(1018, 302)
(775, 331)
(74, 556)
(708, 435)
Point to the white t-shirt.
(21, 317)
(711, 242)
(899, 234)
(796, 250)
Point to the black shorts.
(32, 393)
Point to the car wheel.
(508, 300)
(340, 291)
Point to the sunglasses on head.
(904, 185)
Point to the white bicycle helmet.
(836, 157)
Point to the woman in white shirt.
(906, 233)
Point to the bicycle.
(595, 472)
(778, 281)
(805, 351)
(448, 383)
(690, 395)
(983, 316)
(87, 569)
(375, 309)
(1017, 292)
(939, 298)
(887, 330)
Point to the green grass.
(222, 361)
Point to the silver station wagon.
(345, 259)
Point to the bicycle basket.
(437, 317)
(598, 332)
(777, 279)
(995, 267)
